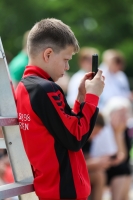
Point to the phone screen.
(95, 63)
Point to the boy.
(52, 133)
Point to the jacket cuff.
(92, 99)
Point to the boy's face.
(59, 62)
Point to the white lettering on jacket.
(23, 121)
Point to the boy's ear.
(47, 53)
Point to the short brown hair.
(24, 42)
(51, 33)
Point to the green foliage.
(101, 24)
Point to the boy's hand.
(96, 85)
(81, 89)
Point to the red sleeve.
(90, 98)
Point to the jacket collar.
(36, 71)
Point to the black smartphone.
(95, 63)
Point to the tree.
(101, 24)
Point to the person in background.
(119, 175)
(116, 113)
(6, 175)
(96, 165)
(19, 62)
(116, 83)
(85, 64)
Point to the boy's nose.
(67, 66)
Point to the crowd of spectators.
(108, 151)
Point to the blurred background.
(100, 23)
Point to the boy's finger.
(89, 75)
(99, 73)
(103, 78)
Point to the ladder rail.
(13, 189)
(19, 162)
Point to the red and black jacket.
(53, 135)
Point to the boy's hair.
(24, 42)
(50, 33)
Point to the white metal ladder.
(23, 185)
